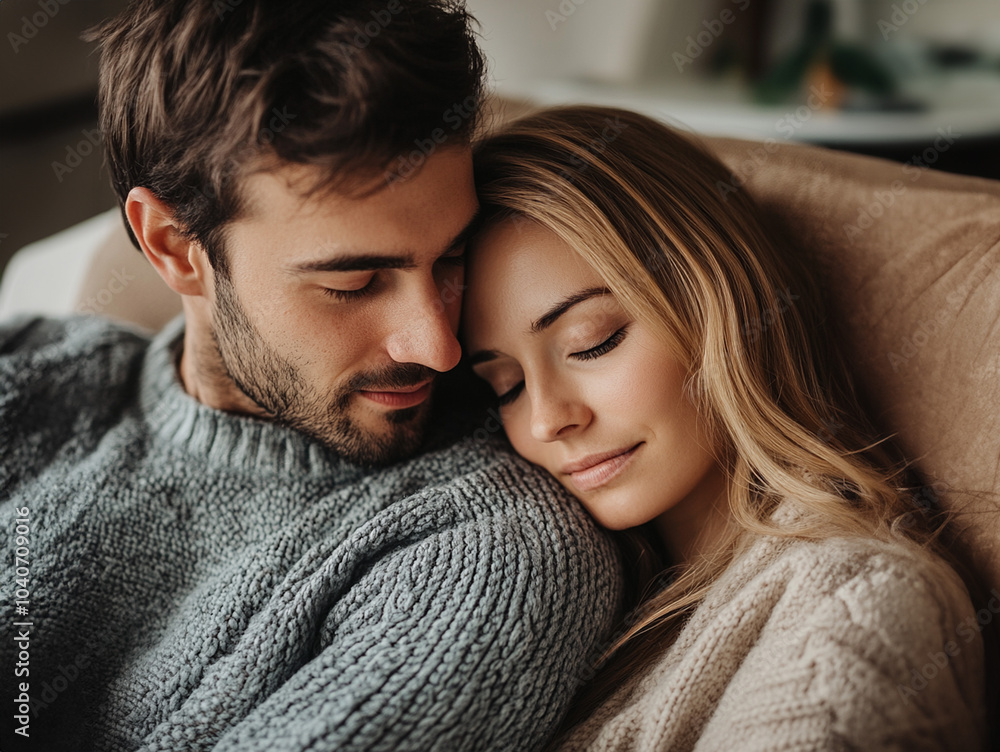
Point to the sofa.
(910, 259)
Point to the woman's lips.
(400, 398)
(596, 470)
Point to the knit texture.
(201, 580)
(839, 644)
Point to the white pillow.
(47, 276)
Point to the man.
(222, 539)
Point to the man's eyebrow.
(544, 322)
(360, 263)
(553, 314)
(373, 261)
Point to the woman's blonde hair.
(651, 211)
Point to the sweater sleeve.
(52, 371)
(11, 328)
(471, 636)
(891, 659)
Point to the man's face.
(337, 312)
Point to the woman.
(653, 348)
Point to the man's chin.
(380, 437)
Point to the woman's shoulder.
(877, 638)
(867, 571)
(890, 592)
(839, 643)
(888, 579)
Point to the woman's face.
(586, 391)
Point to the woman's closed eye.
(604, 348)
(455, 257)
(590, 354)
(511, 394)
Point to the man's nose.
(424, 330)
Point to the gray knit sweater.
(202, 580)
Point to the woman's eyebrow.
(544, 322)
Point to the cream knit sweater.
(842, 644)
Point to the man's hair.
(196, 94)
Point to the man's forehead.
(301, 188)
(305, 189)
(423, 214)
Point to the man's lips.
(400, 398)
(595, 470)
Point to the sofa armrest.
(46, 276)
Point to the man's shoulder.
(491, 469)
(76, 362)
(480, 483)
(32, 337)
(484, 512)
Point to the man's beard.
(277, 386)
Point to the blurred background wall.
(51, 165)
(881, 77)
(621, 40)
(891, 75)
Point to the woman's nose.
(556, 414)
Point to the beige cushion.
(911, 260)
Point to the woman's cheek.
(516, 425)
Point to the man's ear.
(181, 262)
